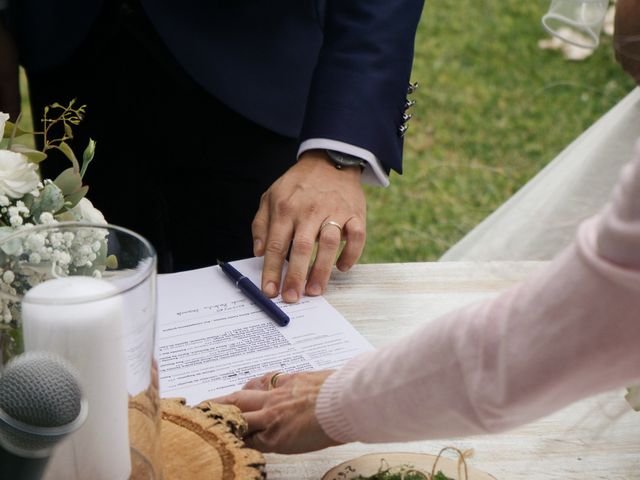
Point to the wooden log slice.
(204, 442)
(198, 443)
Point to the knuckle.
(283, 207)
(303, 245)
(258, 223)
(330, 241)
(295, 277)
(311, 209)
(322, 272)
(233, 398)
(358, 233)
(276, 247)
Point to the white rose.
(18, 176)
(84, 211)
(3, 118)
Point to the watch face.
(345, 160)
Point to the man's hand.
(626, 38)
(282, 419)
(293, 211)
(9, 87)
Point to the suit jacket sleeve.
(359, 86)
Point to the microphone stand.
(15, 467)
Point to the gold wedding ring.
(273, 381)
(333, 224)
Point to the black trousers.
(172, 163)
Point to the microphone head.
(40, 403)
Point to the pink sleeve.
(571, 331)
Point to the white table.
(597, 438)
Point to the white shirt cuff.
(373, 173)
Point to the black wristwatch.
(342, 160)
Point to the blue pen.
(255, 294)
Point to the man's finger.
(299, 260)
(328, 244)
(277, 245)
(355, 233)
(260, 226)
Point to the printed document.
(212, 339)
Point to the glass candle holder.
(87, 293)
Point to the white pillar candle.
(89, 334)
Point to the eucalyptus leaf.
(68, 152)
(68, 131)
(34, 156)
(13, 247)
(51, 200)
(69, 181)
(28, 200)
(12, 130)
(72, 199)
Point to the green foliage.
(403, 475)
(61, 119)
(492, 110)
(51, 199)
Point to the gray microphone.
(40, 403)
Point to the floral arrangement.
(28, 201)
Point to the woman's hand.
(281, 417)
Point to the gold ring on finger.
(273, 381)
(333, 224)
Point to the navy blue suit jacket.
(336, 69)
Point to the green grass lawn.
(492, 110)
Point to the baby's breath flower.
(46, 218)
(35, 258)
(22, 208)
(68, 238)
(56, 239)
(35, 242)
(61, 258)
(8, 277)
(16, 220)
(4, 201)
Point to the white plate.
(368, 465)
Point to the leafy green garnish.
(388, 475)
